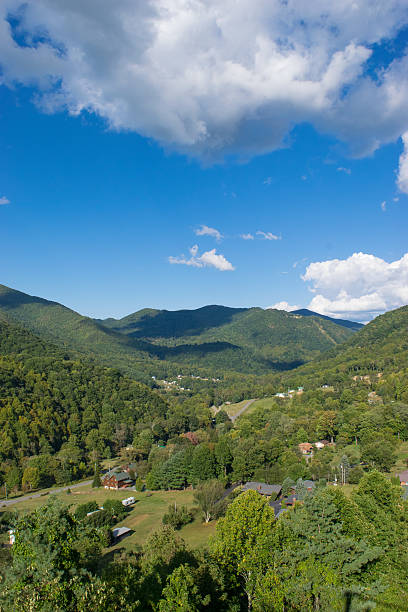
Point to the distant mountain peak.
(305, 312)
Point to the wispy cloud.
(267, 235)
(268, 180)
(204, 230)
(210, 259)
(247, 236)
(383, 206)
(345, 170)
(4, 200)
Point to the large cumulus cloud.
(212, 77)
(359, 287)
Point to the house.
(120, 532)
(305, 448)
(309, 484)
(128, 501)
(262, 488)
(403, 477)
(116, 480)
(290, 500)
(132, 467)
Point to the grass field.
(144, 517)
(232, 409)
(402, 456)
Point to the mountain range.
(161, 343)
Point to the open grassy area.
(232, 409)
(143, 517)
(402, 456)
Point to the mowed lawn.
(144, 517)
(266, 402)
(232, 409)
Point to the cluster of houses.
(290, 393)
(307, 448)
(278, 502)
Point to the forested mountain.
(304, 312)
(54, 404)
(378, 350)
(213, 339)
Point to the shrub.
(355, 475)
(115, 508)
(83, 509)
(103, 518)
(176, 517)
(139, 485)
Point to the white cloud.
(284, 306)
(268, 180)
(402, 179)
(207, 259)
(383, 206)
(212, 78)
(4, 200)
(247, 236)
(360, 286)
(267, 235)
(204, 230)
(345, 170)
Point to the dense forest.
(208, 341)
(62, 414)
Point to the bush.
(83, 509)
(355, 475)
(7, 519)
(177, 517)
(115, 508)
(103, 518)
(139, 485)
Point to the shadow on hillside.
(168, 324)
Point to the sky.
(177, 153)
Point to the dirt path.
(17, 500)
(244, 407)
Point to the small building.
(119, 532)
(305, 448)
(116, 480)
(128, 501)
(262, 488)
(309, 484)
(403, 478)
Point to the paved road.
(244, 407)
(17, 500)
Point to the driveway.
(17, 500)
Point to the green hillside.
(49, 398)
(272, 336)
(379, 350)
(304, 312)
(209, 340)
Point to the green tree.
(181, 593)
(45, 560)
(202, 464)
(208, 497)
(241, 541)
(31, 478)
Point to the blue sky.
(103, 203)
